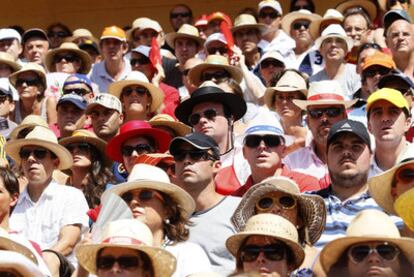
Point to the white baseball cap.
(7, 33)
(271, 4)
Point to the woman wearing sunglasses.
(372, 247)
(165, 208)
(90, 171)
(268, 245)
(281, 196)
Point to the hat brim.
(13, 77)
(161, 138)
(271, 91)
(11, 245)
(321, 39)
(13, 147)
(315, 26)
(14, 66)
(171, 37)
(157, 95)
(83, 55)
(163, 263)
(367, 5)
(334, 249)
(262, 28)
(293, 16)
(303, 104)
(178, 127)
(195, 73)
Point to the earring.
(167, 221)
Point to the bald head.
(399, 37)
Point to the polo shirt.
(102, 79)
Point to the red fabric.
(326, 96)
(410, 134)
(171, 99)
(155, 53)
(226, 181)
(94, 213)
(225, 29)
(55, 128)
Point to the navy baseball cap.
(394, 15)
(80, 79)
(349, 126)
(74, 99)
(393, 76)
(198, 140)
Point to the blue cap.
(81, 79)
(395, 75)
(74, 99)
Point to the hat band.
(266, 128)
(123, 240)
(326, 96)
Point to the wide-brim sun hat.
(167, 120)
(6, 58)
(302, 14)
(247, 21)
(29, 121)
(311, 207)
(139, 79)
(368, 225)
(186, 31)
(334, 31)
(19, 264)
(367, 6)
(130, 234)
(331, 16)
(135, 128)
(145, 176)
(233, 102)
(69, 47)
(7, 243)
(27, 67)
(269, 225)
(42, 137)
(404, 207)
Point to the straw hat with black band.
(185, 31)
(29, 67)
(298, 15)
(68, 47)
(247, 21)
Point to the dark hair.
(60, 25)
(176, 229)
(185, 6)
(310, 3)
(388, 3)
(358, 11)
(368, 45)
(10, 181)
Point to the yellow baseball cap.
(388, 94)
(113, 32)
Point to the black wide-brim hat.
(233, 102)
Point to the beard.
(348, 181)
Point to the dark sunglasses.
(270, 62)
(386, 251)
(373, 72)
(143, 195)
(194, 118)
(127, 150)
(58, 34)
(330, 112)
(195, 155)
(78, 91)
(68, 57)
(124, 262)
(39, 154)
(176, 15)
(272, 252)
(299, 24)
(254, 141)
(28, 82)
(218, 75)
(266, 203)
(272, 15)
(405, 175)
(139, 61)
(214, 50)
(141, 91)
(83, 147)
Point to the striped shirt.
(340, 214)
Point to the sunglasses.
(127, 150)
(124, 262)
(386, 251)
(78, 91)
(266, 203)
(299, 24)
(272, 15)
(141, 91)
(270, 62)
(176, 15)
(373, 72)
(218, 75)
(143, 195)
(330, 112)
(194, 119)
(68, 57)
(405, 175)
(28, 82)
(272, 252)
(83, 147)
(39, 154)
(254, 141)
(139, 61)
(195, 155)
(214, 50)
(58, 34)
(291, 96)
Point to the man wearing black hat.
(70, 114)
(212, 111)
(35, 45)
(197, 160)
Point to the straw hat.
(311, 207)
(82, 32)
(334, 31)
(296, 15)
(83, 135)
(72, 48)
(43, 137)
(368, 225)
(142, 23)
(138, 78)
(34, 67)
(324, 93)
(331, 16)
(269, 225)
(367, 5)
(9, 244)
(404, 206)
(6, 58)
(247, 21)
(290, 81)
(380, 185)
(167, 120)
(214, 62)
(145, 176)
(29, 121)
(19, 263)
(185, 31)
(131, 234)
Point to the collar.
(49, 191)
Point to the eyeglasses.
(58, 34)
(28, 82)
(141, 91)
(218, 75)
(176, 15)
(39, 154)
(214, 50)
(405, 175)
(373, 72)
(195, 155)
(124, 262)
(272, 252)
(270, 62)
(272, 15)
(127, 150)
(194, 119)
(139, 61)
(330, 112)
(266, 203)
(83, 147)
(70, 58)
(298, 24)
(386, 251)
(144, 195)
(253, 141)
(78, 91)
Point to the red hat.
(135, 128)
(201, 21)
(222, 16)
